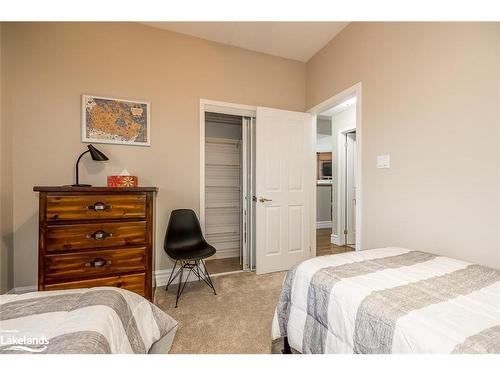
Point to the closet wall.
(223, 184)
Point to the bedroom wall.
(430, 100)
(52, 64)
(6, 248)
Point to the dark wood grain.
(134, 283)
(79, 207)
(82, 236)
(81, 265)
(69, 254)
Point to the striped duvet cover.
(389, 300)
(81, 321)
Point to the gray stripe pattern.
(91, 341)
(81, 342)
(285, 301)
(41, 305)
(163, 321)
(322, 282)
(485, 342)
(115, 301)
(378, 313)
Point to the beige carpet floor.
(237, 320)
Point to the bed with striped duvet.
(82, 321)
(389, 300)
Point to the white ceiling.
(293, 40)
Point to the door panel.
(273, 221)
(284, 182)
(296, 220)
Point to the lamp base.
(81, 185)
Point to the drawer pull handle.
(98, 262)
(99, 235)
(99, 206)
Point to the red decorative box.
(123, 181)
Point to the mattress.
(99, 320)
(389, 300)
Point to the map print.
(116, 121)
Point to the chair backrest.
(183, 231)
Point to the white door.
(351, 188)
(284, 179)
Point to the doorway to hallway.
(324, 246)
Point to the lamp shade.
(96, 154)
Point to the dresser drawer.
(81, 265)
(134, 283)
(85, 207)
(94, 236)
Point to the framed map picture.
(119, 121)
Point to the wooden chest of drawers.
(96, 236)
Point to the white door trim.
(207, 105)
(355, 90)
(341, 184)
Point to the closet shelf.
(221, 234)
(224, 187)
(233, 166)
(223, 205)
(224, 236)
(223, 178)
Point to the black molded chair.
(184, 242)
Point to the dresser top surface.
(94, 189)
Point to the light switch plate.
(383, 161)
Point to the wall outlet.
(383, 161)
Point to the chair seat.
(192, 253)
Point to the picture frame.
(116, 121)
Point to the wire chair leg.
(201, 275)
(170, 279)
(207, 275)
(179, 287)
(198, 269)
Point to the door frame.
(355, 90)
(207, 105)
(341, 185)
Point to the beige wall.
(430, 100)
(51, 65)
(6, 246)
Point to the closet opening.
(229, 182)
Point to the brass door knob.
(262, 200)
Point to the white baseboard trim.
(23, 289)
(334, 239)
(323, 224)
(161, 276)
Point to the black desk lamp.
(96, 156)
